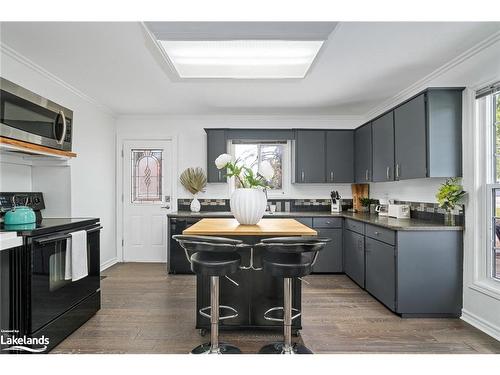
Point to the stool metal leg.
(286, 347)
(287, 315)
(214, 314)
(214, 347)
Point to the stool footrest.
(206, 312)
(280, 308)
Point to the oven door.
(28, 117)
(51, 293)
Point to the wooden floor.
(144, 310)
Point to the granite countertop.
(383, 221)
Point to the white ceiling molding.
(189, 31)
(422, 83)
(37, 68)
(256, 118)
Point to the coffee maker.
(383, 207)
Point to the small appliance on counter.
(382, 209)
(336, 201)
(399, 211)
(20, 215)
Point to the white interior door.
(147, 186)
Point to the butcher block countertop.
(265, 227)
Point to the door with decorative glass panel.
(146, 201)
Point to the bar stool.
(288, 258)
(214, 257)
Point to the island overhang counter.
(257, 291)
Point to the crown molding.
(422, 83)
(244, 117)
(9, 51)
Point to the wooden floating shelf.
(32, 149)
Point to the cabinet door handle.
(331, 176)
(397, 171)
(302, 176)
(388, 171)
(366, 175)
(220, 176)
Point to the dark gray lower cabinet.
(354, 256)
(429, 275)
(380, 277)
(330, 258)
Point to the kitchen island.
(257, 291)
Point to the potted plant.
(248, 202)
(194, 180)
(367, 203)
(449, 196)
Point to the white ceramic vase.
(195, 204)
(248, 205)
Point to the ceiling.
(361, 65)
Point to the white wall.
(93, 171)
(192, 145)
(417, 190)
(14, 175)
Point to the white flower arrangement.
(245, 175)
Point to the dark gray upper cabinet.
(444, 133)
(363, 153)
(310, 147)
(383, 148)
(216, 145)
(410, 139)
(340, 156)
(428, 135)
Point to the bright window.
(494, 104)
(253, 153)
(242, 59)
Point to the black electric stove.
(44, 302)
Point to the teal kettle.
(20, 215)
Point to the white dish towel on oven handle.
(76, 266)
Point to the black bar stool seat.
(215, 264)
(288, 258)
(213, 257)
(288, 265)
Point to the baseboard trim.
(481, 324)
(109, 263)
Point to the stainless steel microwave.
(28, 117)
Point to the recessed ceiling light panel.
(242, 59)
